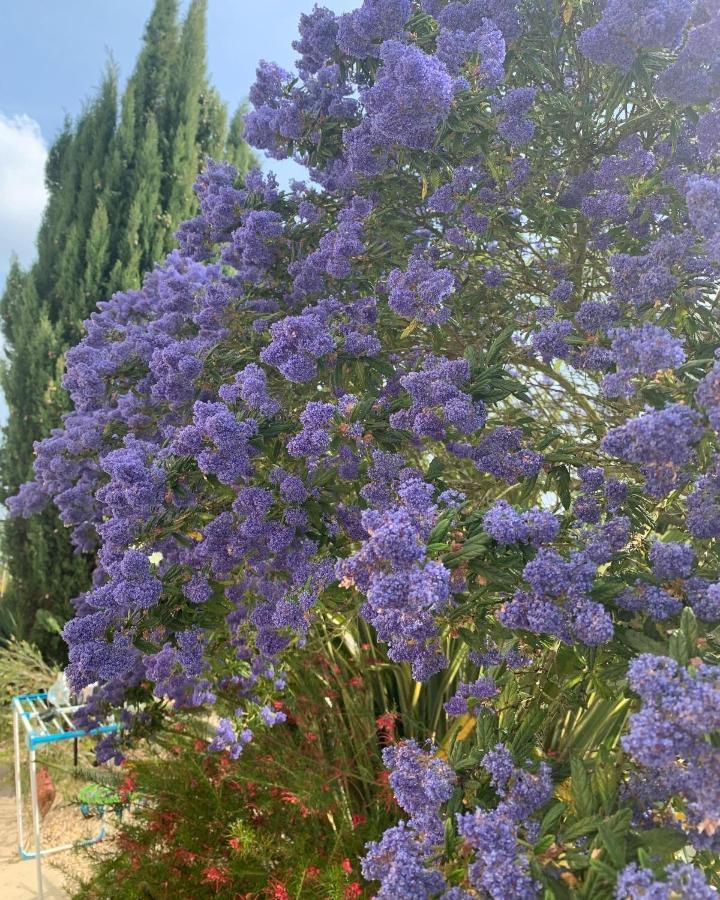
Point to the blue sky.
(52, 54)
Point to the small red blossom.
(185, 857)
(346, 865)
(311, 873)
(358, 819)
(352, 891)
(216, 876)
(385, 725)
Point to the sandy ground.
(18, 879)
(62, 824)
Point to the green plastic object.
(95, 798)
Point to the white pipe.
(18, 782)
(36, 822)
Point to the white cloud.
(22, 188)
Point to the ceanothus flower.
(661, 443)
(456, 46)
(669, 739)
(469, 698)
(410, 98)
(707, 396)
(681, 880)
(404, 591)
(362, 31)
(250, 386)
(533, 526)
(437, 403)
(501, 865)
(298, 342)
(641, 351)
(419, 292)
(626, 26)
(670, 560)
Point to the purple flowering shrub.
(460, 387)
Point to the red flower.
(346, 865)
(358, 819)
(234, 843)
(352, 891)
(278, 891)
(185, 857)
(386, 727)
(216, 877)
(311, 873)
(125, 788)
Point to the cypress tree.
(119, 183)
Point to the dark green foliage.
(119, 182)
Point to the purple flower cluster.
(514, 125)
(405, 860)
(669, 738)
(670, 560)
(661, 443)
(681, 880)
(361, 32)
(404, 591)
(640, 351)
(469, 698)
(298, 342)
(437, 403)
(625, 27)
(419, 292)
(703, 504)
(707, 396)
(558, 602)
(456, 46)
(694, 76)
(595, 489)
(422, 783)
(250, 386)
(501, 867)
(410, 98)
(507, 526)
(500, 453)
(219, 443)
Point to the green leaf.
(580, 828)
(611, 843)
(581, 791)
(683, 643)
(558, 479)
(604, 869)
(552, 816)
(435, 469)
(641, 643)
(498, 343)
(663, 841)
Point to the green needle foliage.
(119, 181)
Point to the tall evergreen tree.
(119, 182)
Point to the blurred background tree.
(119, 181)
